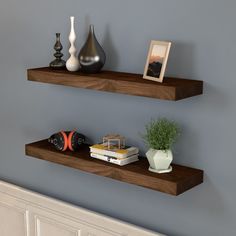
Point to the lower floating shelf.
(178, 181)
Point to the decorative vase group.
(91, 57)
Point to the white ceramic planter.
(160, 160)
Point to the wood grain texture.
(119, 82)
(178, 181)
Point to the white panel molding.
(44, 216)
(12, 206)
(40, 220)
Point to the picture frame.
(157, 60)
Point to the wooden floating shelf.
(178, 181)
(119, 82)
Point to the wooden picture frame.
(157, 60)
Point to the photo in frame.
(157, 60)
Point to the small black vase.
(58, 62)
(92, 56)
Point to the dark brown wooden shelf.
(178, 181)
(118, 82)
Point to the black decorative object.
(58, 62)
(67, 140)
(92, 56)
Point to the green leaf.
(161, 134)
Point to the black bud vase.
(58, 62)
(92, 56)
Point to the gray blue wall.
(203, 36)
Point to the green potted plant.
(160, 136)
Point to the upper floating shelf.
(118, 82)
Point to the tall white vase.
(72, 63)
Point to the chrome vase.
(92, 56)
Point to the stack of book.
(119, 157)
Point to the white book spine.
(113, 160)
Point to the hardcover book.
(116, 161)
(118, 153)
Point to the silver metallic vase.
(92, 56)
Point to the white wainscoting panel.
(25, 213)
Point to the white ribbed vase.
(159, 160)
(72, 64)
